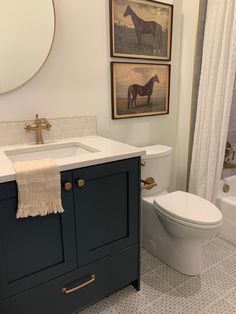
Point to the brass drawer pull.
(81, 183)
(67, 291)
(149, 183)
(68, 186)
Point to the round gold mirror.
(26, 33)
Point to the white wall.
(75, 80)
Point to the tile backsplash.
(14, 133)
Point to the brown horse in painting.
(146, 90)
(146, 27)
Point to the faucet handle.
(27, 127)
(46, 123)
(228, 149)
(48, 126)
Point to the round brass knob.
(67, 186)
(81, 183)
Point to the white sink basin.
(53, 151)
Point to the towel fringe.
(42, 209)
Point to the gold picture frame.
(139, 89)
(141, 29)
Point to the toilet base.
(182, 254)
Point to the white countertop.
(106, 151)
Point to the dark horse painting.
(146, 27)
(139, 90)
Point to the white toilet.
(174, 224)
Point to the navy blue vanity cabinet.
(34, 250)
(106, 208)
(59, 264)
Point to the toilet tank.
(157, 164)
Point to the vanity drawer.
(95, 280)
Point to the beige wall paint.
(75, 80)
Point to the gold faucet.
(38, 125)
(229, 165)
(228, 151)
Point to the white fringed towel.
(39, 188)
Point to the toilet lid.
(189, 207)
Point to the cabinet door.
(107, 208)
(34, 250)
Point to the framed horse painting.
(141, 29)
(139, 89)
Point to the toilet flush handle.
(148, 183)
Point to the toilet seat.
(188, 209)
(189, 224)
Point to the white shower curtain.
(215, 96)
